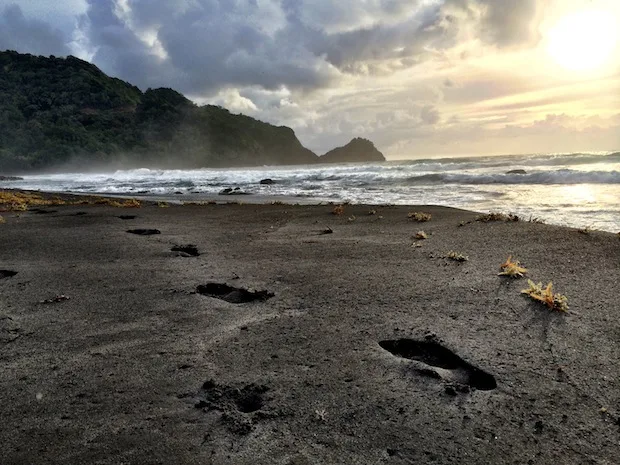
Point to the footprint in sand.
(234, 295)
(7, 274)
(144, 232)
(188, 250)
(440, 362)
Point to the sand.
(273, 343)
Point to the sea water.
(578, 190)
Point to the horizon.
(422, 79)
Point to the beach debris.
(327, 230)
(372, 212)
(144, 232)
(233, 295)
(439, 362)
(420, 217)
(267, 182)
(338, 210)
(420, 235)
(7, 274)
(456, 256)
(187, 250)
(512, 268)
(536, 220)
(56, 299)
(546, 296)
(163, 204)
(2, 220)
(128, 203)
(351, 218)
(587, 230)
(416, 245)
(497, 216)
(320, 414)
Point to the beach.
(291, 335)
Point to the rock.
(358, 150)
(11, 178)
(231, 191)
(267, 181)
(516, 172)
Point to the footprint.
(186, 250)
(441, 363)
(234, 295)
(235, 404)
(7, 274)
(144, 232)
(42, 211)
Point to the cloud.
(29, 35)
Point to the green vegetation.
(59, 111)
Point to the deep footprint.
(7, 274)
(234, 295)
(144, 232)
(189, 249)
(443, 363)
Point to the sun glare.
(584, 41)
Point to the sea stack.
(358, 150)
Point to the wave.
(543, 177)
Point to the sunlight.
(579, 193)
(584, 41)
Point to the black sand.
(369, 351)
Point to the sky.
(420, 78)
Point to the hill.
(59, 111)
(358, 150)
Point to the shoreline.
(276, 342)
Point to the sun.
(584, 41)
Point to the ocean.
(577, 190)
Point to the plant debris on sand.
(456, 256)
(506, 217)
(420, 235)
(22, 201)
(338, 210)
(419, 216)
(545, 295)
(512, 268)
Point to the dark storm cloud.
(29, 35)
(201, 46)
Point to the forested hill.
(60, 111)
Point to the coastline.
(137, 366)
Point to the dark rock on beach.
(516, 172)
(267, 181)
(231, 191)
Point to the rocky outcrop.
(358, 150)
